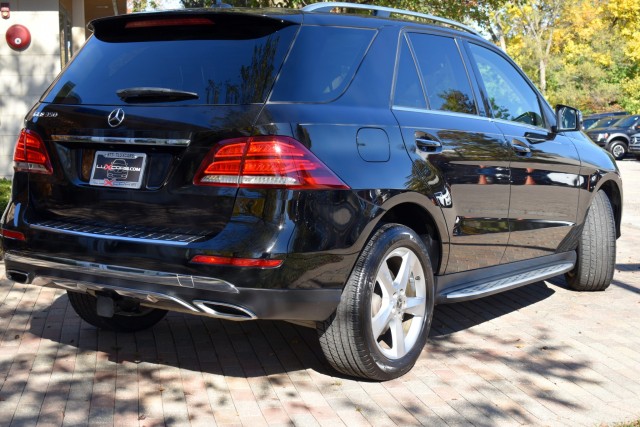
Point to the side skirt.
(483, 282)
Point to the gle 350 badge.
(118, 169)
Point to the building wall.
(25, 75)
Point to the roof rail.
(385, 12)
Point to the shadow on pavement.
(252, 348)
(184, 355)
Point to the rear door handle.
(428, 144)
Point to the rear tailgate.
(129, 122)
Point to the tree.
(142, 5)
(538, 20)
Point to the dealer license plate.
(118, 169)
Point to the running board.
(464, 286)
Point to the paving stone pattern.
(538, 355)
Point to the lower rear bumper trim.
(202, 296)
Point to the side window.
(510, 96)
(443, 73)
(322, 63)
(408, 91)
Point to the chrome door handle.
(520, 147)
(428, 145)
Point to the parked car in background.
(604, 122)
(344, 171)
(616, 137)
(634, 146)
(591, 119)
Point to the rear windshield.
(220, 69)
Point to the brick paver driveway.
(538, 355)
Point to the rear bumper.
(198, 295)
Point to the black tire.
(402, 320)
(596, 248)
(137, 319)
(637, 156)
(618, 149)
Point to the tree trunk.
(503, 43)
(543, 76)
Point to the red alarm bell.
(5, 10)
(18, 37)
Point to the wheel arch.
(427, 223)
(618, 137)
(614, 193)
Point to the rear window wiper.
(154, 94)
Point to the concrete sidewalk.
(538, 355)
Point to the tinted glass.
(627, 121)
(510, 96)
(408, 91)
(443, 73)
(322, 64)
(219, 71)
(603, 122)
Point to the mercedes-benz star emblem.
(116, 117)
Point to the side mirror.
(568, 119)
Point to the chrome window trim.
(440, 112)
(469, 116)
(172, 142)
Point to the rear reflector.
(168, 22)
(30, 154)
(236, 262)
(16, 235)
(265, 162)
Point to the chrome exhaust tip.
(224, 311)
(19, 276)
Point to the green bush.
(5, 194)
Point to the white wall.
(25, 75)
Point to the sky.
(172, 4)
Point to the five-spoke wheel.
(398, 303)
(384, 316)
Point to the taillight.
(16, 235)
(30, 154)
(265, 162)
(236, 262)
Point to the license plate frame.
(118, 169)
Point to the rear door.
(459, 154)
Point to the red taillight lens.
(30, 154)
(236, 262)
(267, 162)
(16, 235)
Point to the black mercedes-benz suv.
(347, 171)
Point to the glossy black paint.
(549, 172)
(454, 178)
